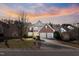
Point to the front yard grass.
(17, 43)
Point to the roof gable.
(38, 24)
(47, 28)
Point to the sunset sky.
(36, 11)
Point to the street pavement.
(39, 52)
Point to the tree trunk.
(6, 43)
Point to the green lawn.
(17, 43)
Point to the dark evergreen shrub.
(57, 35)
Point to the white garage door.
(42, 35)
(49, 35)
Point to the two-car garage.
(46, 35)
(46, 32)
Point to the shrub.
(57, 35)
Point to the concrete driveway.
(56, 43)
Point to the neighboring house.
(76, 25)
(1, 27)
(10, 30)
(67, 27)
(69, 31)
(46, 32)
(56, 27)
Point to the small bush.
(38, 37)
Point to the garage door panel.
(42, 35)
(49, 35)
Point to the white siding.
(30, 33)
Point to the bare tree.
(22, 26)
(5, 28)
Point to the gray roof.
(39, 24)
